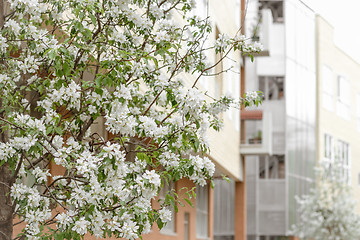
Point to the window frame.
(344, 157)
(343, 95)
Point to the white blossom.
(328, 211)
(165, 215)
(100, 92)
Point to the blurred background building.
(279, 138)
(338, 104)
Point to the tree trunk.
(6, 176)
(6, 209)
(2, 13)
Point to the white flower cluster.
(24, 120)
(201, 166)
(222, 42)
(6, 151)
(69, 94)
(37, 208)
(97, 90)
(328, 211)
(119, 119)
(165, 215)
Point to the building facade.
(280, 137)
(338, 104)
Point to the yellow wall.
(225, 145)
(329, 121)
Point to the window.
(201, 9)
(186, 226)
(276, 7)
(272, 87)
(272, 167)
(327, 86)
(328, 148)
(343, 151)
(342, 156)
(253, 133)
(169, 228)
(343, 97)
(202, 218)
(237, 13)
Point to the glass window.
(344, 159)
(272, 167)
(343, 97)
(170, 226)
(237, 13)
(202, 212)
(328, 147)
(253, 131)
(272, 87)
(186, 226)
(201, 9)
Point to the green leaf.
(99, 91)
(52, 54)
(225, 178)
(160, 223)
(58, 130)
(93, 19)
(49, 130)
(189, 202)
(156, 63)
(66, 69)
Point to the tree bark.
(6, 178)
(2, 13)
(6, 181)
(6, 208)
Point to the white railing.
(263, 145)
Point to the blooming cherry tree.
(68, 67)
(328, 212)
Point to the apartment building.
(279, 141)
(338, 104)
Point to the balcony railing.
(258, 139)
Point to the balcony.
(258, 134)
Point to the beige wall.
(225, 145)
(329, 121)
